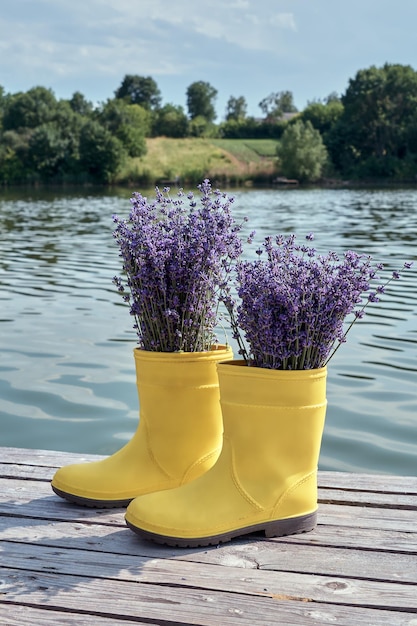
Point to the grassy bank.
(190, 160)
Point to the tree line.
(369, 132)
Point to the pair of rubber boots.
(221, 450)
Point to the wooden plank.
(19, 615)
(370, 498)
(366, 539)
(383, 483)
(31, 499)
(44, 458)
(176, 605)
(355, 517)
(63, 533)
(284, 554)
(61, 562)
(257, 582)
(23, 472)
(36, 499)
(337, 562)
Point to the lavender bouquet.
(295, 302)
(177, 253)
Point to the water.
(66, 365)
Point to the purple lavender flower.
(294, 303)
(175, 258)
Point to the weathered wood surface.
(61, 564)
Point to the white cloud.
(284, 20)
(243, 23)
(243, 47)
(151, 37)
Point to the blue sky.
(244, 48)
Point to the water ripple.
(67, 373)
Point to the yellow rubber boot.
(266, 476)
(179, 436)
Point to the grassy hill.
(190, 160)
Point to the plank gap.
(369, 505)
(387, 492)
(120, 617)
(87, 522)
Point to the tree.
(332, 97)
(376, 133)
(170, 121)
(276, 104)
(101, 154)
(12, 147)
(53, 147)
(200, 127)
(301, 152)
(236, 108)
(80, 105)
(30, 109)
(141, 90)
(3, 100)
(130, 123)
(48, 150)
(323, 116)
(200, 100)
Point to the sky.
(248, 48)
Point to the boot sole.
(277, 528)
(91, 503)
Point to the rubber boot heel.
(291, 526)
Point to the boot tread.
(275, 528)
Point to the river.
(66, 339)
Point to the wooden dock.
(65, 565)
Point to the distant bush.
(301, 152)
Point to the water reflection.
(66, 370)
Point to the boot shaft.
(273, 423)
(180, 414)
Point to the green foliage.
(250, 128)
(378, 128)
(170, 121)
(141, 90)
(369, 132)
(50, 151)
(47, 151)
(3, 100)
(53, 147)
(236, 108)
(30, 109)
(101, 154)
(200, 101)
(301, 152)
(130, 123)
(201, 127)
(11, 168)
(80, 105)
(14, 150)
(278, 103)
(323, 116)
